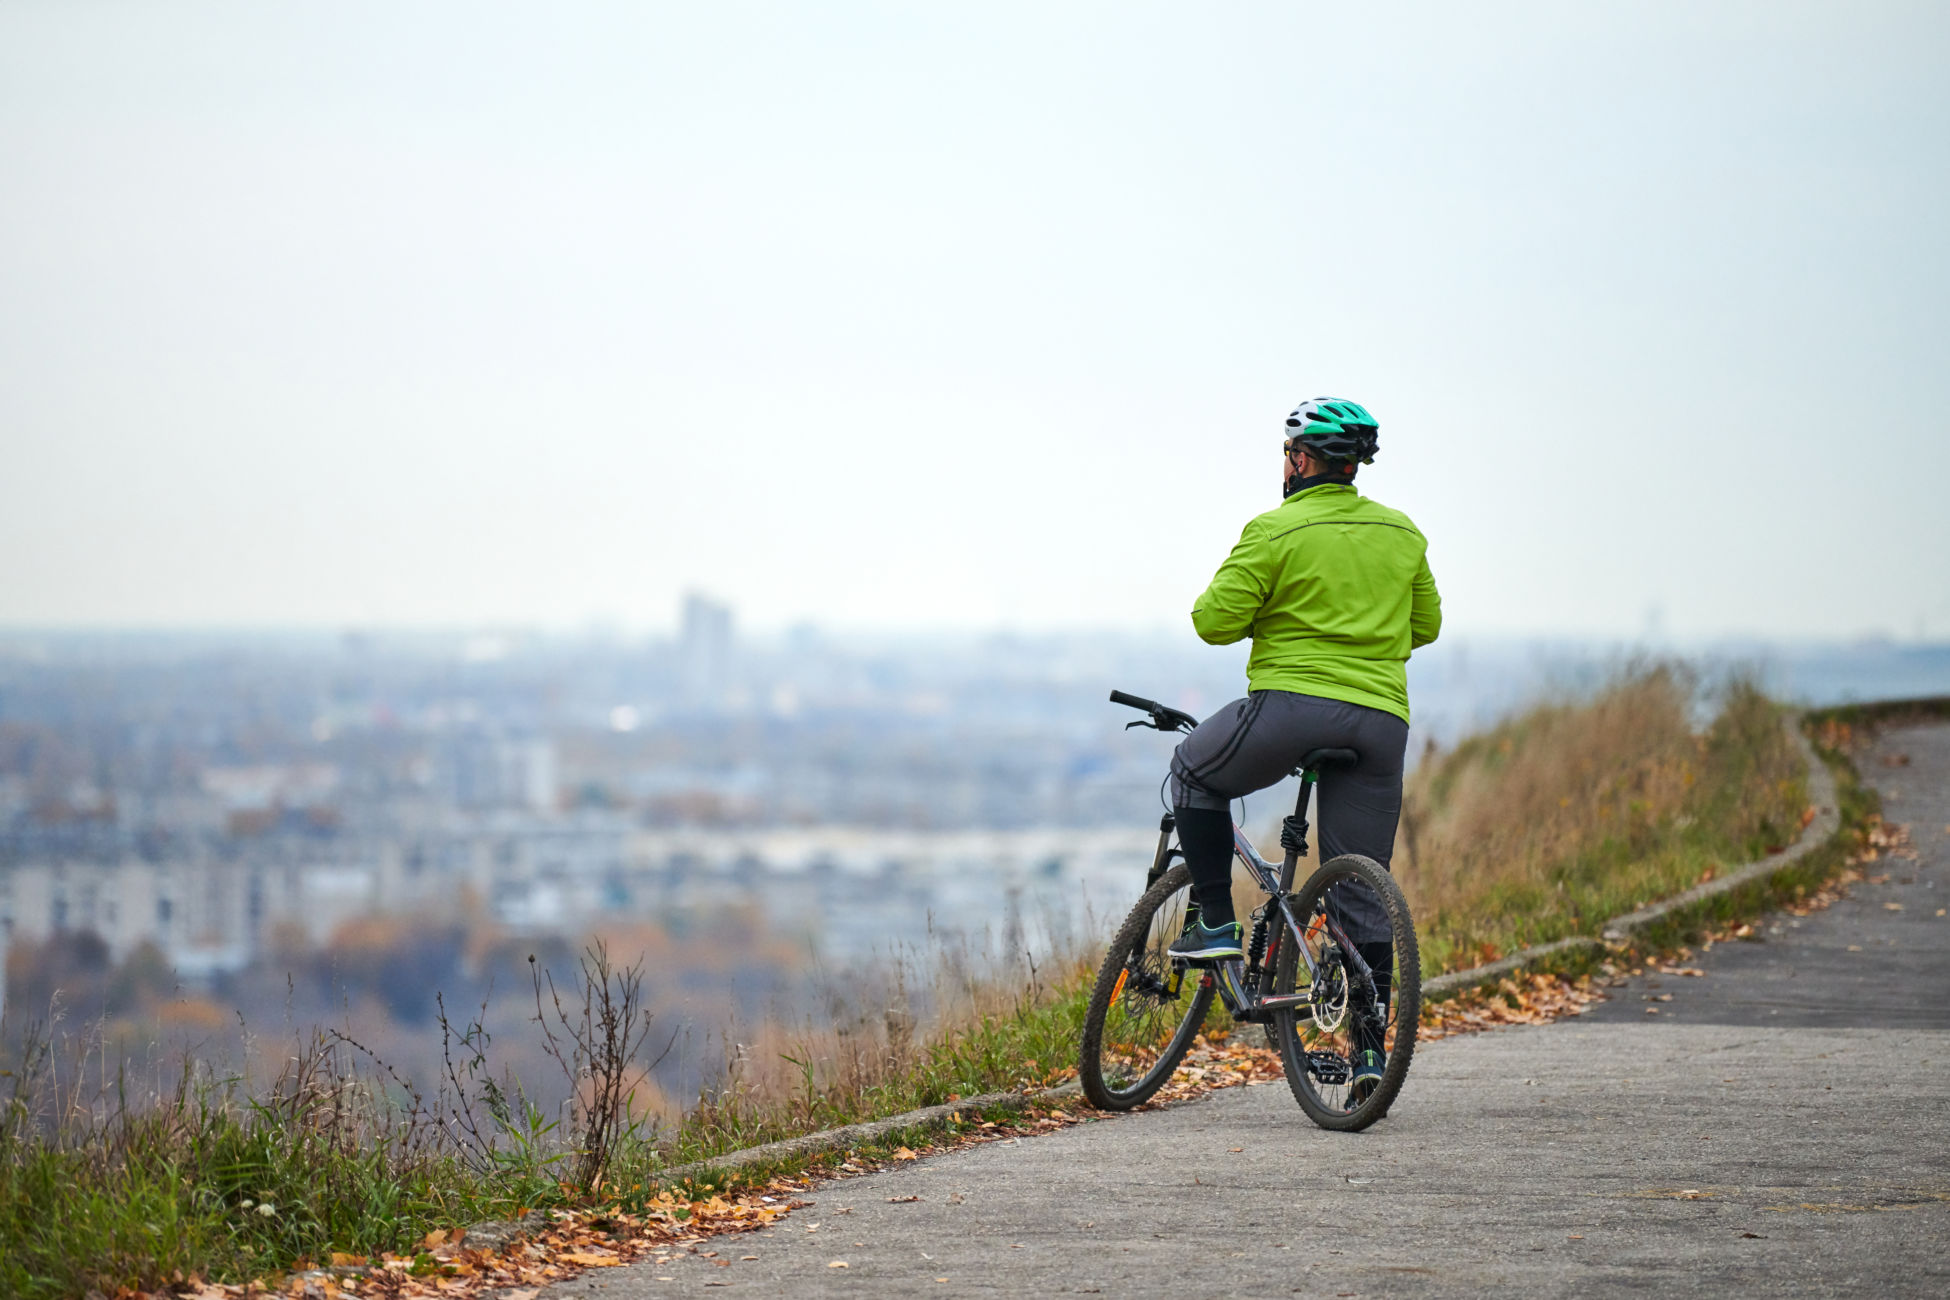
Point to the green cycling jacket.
(1335, 590)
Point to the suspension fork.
(1161, 860)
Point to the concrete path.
(1781, 1126)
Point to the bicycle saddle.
(1315, 759)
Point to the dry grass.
(1572, 813)
(923, 1030)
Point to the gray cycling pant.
(1256, 742)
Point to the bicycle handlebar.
(1163, 716)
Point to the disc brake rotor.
(1330, 995)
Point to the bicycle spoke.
(1144, 1010)
(1345, 1059)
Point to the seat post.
(1293, 832)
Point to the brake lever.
(1142, 723)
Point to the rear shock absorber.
(1257, 949)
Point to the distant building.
(491, 772)
(704, 650)
(212, 913)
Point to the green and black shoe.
(1367, 1077)
(1208, 943)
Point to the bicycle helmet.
(1334, 429)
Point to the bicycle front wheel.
(1321, 1047)
(1143, 1013)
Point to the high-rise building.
(704, 649)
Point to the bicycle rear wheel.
(1143, 1013)
(1319, 1047)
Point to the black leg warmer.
(1205, 834)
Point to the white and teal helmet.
(1333, 428)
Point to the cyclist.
(1335, 591)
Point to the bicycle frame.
(1242, 984)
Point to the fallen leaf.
(838, 1263)
(588, 1260)
(341, 1259)
(902, 1200)
(905, 1154)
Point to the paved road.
(1781, 1126)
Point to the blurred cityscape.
(215, 801)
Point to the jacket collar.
(1323, 490)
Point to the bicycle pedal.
(1329, 1067)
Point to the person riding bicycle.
(1334, 589)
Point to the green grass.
(132, 1199)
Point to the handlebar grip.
(1134, 701)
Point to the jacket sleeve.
(1425, 614)
(1226, 611)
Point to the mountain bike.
(1302, 977)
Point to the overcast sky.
(921, 315)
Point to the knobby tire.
(1138, 938)
(1289, 1030)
